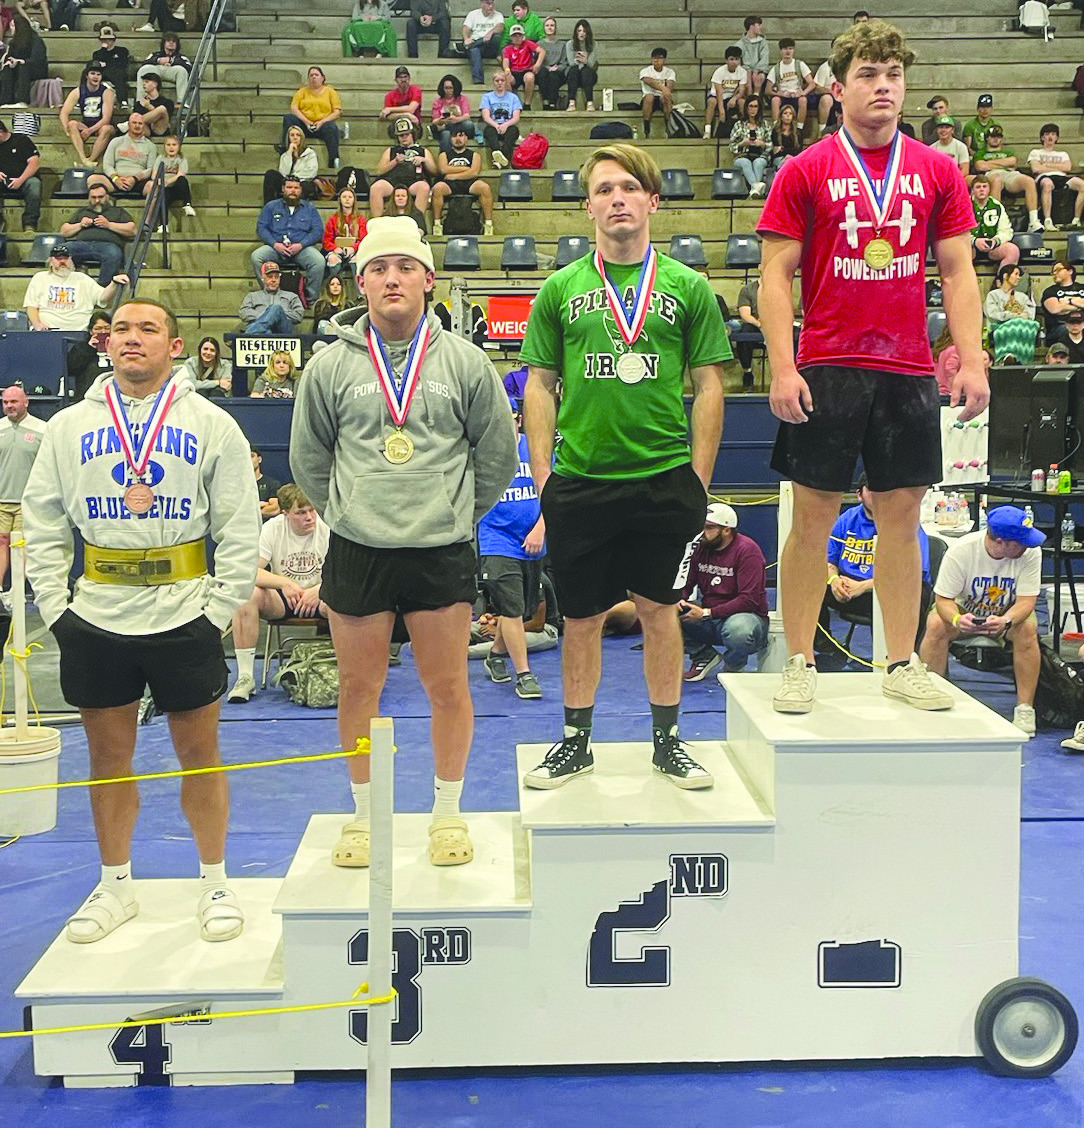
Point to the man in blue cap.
(987, 586)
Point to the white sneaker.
(707, 132)
(1075, 743)
(1023, 716)
(143, 27)
(438, 227)
(499, 159)
(1036, 226)
(795, 695)
(189, 210)
(1048, 224)
(242, 690)
(759, 189)
(911, 684)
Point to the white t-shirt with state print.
(665, 75)
(728, 79)
(1052, 158)
(982, 585)
(300, 559)
(63, 303)
(789, 78)
(478, 24)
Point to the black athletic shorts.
(605, 538)
(185, 667)
(359, 580)
(893, 420)
(511, 586)
(461, 187)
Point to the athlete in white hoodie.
(145, 469)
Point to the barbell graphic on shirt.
(852, 224)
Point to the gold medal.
(139, 498)
(878, 254)
(398, 448)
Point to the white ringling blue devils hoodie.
(201, 474)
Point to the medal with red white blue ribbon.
(631, 366)
(398, 446)
(878, 252)
(139, 497)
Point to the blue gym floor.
(43, 879)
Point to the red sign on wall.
(507, 316)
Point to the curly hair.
(874, 42)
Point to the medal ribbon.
(630, 323)
(399, 398)
(880, 203)
(137, 457)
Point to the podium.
(847, 890)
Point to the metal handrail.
(207, 52)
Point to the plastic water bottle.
(1068, 533)
(1052, 478)
(982, 512)
(1029, 513)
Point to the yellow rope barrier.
(10, 842)
(137, 1023)
(362, 749)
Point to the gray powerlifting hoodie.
(460, 423)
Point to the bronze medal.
(139, 498)
(878, 254)
(398, 448)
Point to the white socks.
(1033, 217)
(118, 880)
(360, 791)
(246, 662)
(446, 794)
(212, 874)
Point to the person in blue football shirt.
(511, 544)
(850, 567)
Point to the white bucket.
(29, 762)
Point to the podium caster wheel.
(1026, 1028)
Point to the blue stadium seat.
(461, 252)
(742, 251)
(13, 319)
(676, 184)
(515, 186)
(1031, 245)
(688, 249)
(39, 251)
(518, 253)
(570, 248)
(728, 184)
(566, 186)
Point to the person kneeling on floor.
(292, 550)
(728, 569)
(986, 588)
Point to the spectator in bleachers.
(992, 235)
(89, 359)
(343, 231)
(554, 70)
(582, 65)
(161, 18)
(656, 88)
(786, 142)
(1058, 353)
(904, 127)
(370, 29)
(1073, 340)
(948, 143)
(1052, 169)
(279, 379)
(404, 164)
(748, 324)
(522, 60)
(152, 106)
(461, 172)
(861, 16)
(403, 100)
(974, 131)
(299, 160)
(1010, 314)
(403, 205)
(500, 120)
(482, 31)
(169, 63)
(333, 299)
(754, 52)
(531, 24)
(99, 232)
(271, 311)
(19, 179)
(209, 370)
(751, 142)
(178, 190)
(946, 361)
(25, 63)
(727, 90)
(999, 165)
(450, 107)
(87, 115)
(1060, 298)
(292, 550)
(36, 10)
(939, 107)
(114, 60)
(789, 83)
(291, 232)
(61, 297)
(828, 108)
(128, 160)
(429, 17)
(266, 486)
(315, 109)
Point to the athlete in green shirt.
(627, 491)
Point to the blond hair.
(635, 161)
(269, 373)
(873, 42)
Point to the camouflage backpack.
(311, 675)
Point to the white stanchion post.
(378, 1067)
(784, 520)
(18, 639)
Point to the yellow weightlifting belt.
(145, 567)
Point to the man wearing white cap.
(728, 570)
(402, 438)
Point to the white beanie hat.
(393, 235)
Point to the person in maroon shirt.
(728, 569)
(856, 213)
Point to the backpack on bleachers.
(461, 217)
(611, 131)
(1034, 17)
(531, 151)
(679, 125)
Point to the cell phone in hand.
(979, 620)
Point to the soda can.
(1038, 481)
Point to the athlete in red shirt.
(856, 213)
